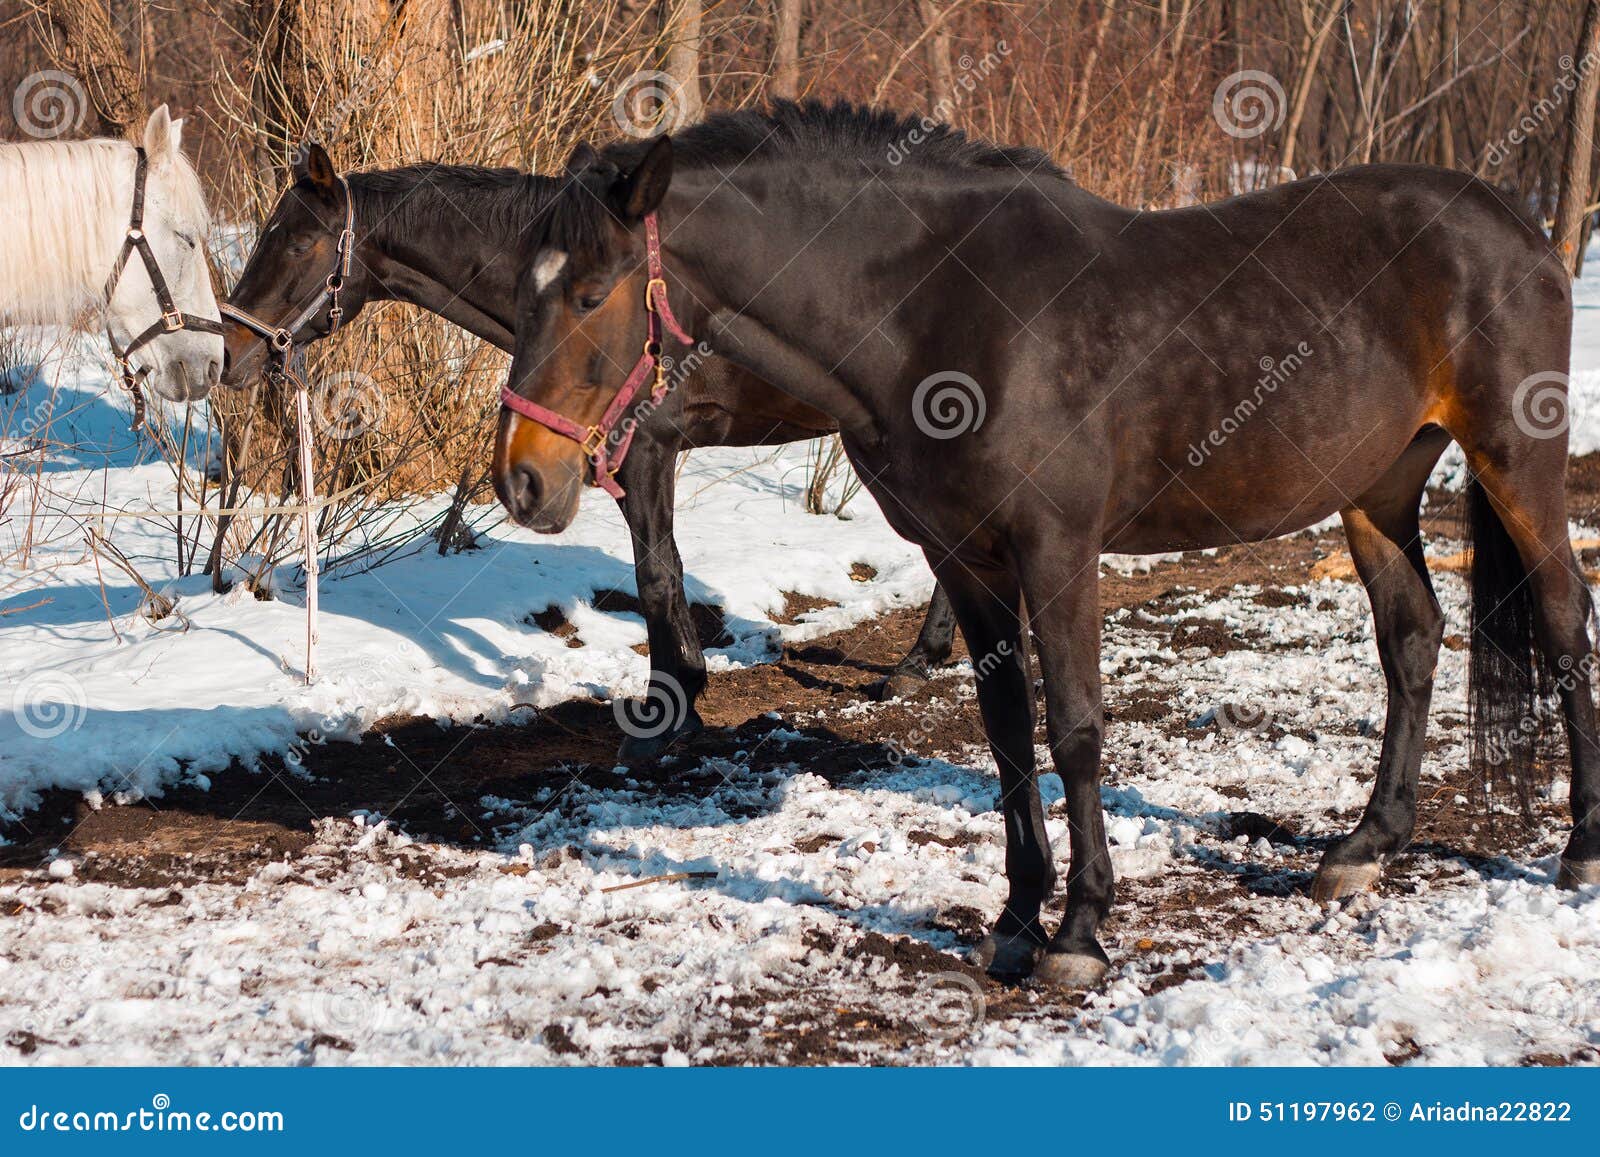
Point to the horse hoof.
(902, 681)
(1341, 881)
(1071, 970)
(643, 748)
(1575, 874)
(1005, 957)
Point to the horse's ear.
(316, 166)
(583, 157)
(161, 134)
(641, 191)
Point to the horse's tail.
(1507, 677)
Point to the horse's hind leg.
(1386, 546)
(933, 646)
(1523, 490)
(986, 604)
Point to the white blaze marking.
(548, 267)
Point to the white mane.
(66, 206)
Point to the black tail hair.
(1508, 680)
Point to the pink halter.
(596, 439)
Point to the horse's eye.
(590, 301)
(186, 239)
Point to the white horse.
(67, 247)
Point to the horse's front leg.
(1062, 584)
(677, 664)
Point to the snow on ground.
(515, 952)
(123, 708)
(351, 953)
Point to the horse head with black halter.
(296, 329)
(172, 319)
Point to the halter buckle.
(594, 442)
(282, 340)
(650, 292)
(172, 320)
(135, 234)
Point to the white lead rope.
(308, 485)
(307, 509)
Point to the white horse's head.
(183, 364)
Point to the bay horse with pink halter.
(117, 232)
(1022, 373)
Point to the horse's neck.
(752, 313)
(67, 208)
(467, 277)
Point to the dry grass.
(509, 85)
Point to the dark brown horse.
(445, 237)
(1027, 375)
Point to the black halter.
(283, 338)
(172, 319)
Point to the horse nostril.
(526, 489)
(214, 372)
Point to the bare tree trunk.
(80, 39)
(786, 50)
(282, 87)
(1316, 39)
(1450, 48)
(681, 22)
(1576, 162)
(941, 73)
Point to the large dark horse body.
(1112, 365)
(446, 238)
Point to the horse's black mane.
(499, 200)
(788, 128)
(509, 200)
(577, 219)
